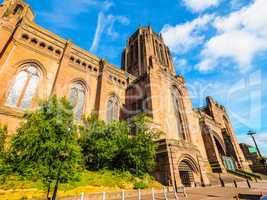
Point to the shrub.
(3, 136)
(140, 185)
(109, 145)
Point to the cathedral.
(195, 143)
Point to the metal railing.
(165, 193)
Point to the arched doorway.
(220, 147)
(187, 171)
(228, 161)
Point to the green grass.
(15, 188)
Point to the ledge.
(10, 111)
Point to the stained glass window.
(77, 99)
(178, 109)
(24, 87)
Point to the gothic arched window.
(24, 87)
(162, 57)
(226, 124)
(178, 109)
(18, 10)
(77, 99)
(113, 109)
(158, 51)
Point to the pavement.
(201, 193)
(224, 193)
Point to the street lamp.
(252, 133)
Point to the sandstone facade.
(35, 64)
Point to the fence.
(147, 194)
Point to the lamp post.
(252, 133)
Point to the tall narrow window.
(158, 51)
(113, 109)
(24, 87)
(18, 10)
(226, 124)
(136, 52)
(162, 55)
(178, 109)
(77, 99)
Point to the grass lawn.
(14, 188)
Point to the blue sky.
(220, 46)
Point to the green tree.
(142, 153)
(3, 136)
(110, 146)
(4, 166)
(45, 146)
(100, 142)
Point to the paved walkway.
(226, 193)
(207, 193)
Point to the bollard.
(104, 196)
(237, 197)
(82, 196)
(222, 182)
(165, 194)
(139, 194)
(175, 193)
(249, 186)
(185, 194)
(122, 195)
(235, 183)
(153, 194)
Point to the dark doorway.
(185, 178)
(186, 174)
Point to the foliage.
(143, 149)
(3, 136)
(46, 142)
(140, 185)
(4, 166)
(100, 142)
(90, 182)
(45, 150)
(109, 145)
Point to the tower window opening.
(17, 10)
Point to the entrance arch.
(227, 161)
(220, 147)
(188, 171)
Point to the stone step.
(227, 178)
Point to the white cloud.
(200, 5)
(107, 23)
(181, 65)
(240, 94)
(99, 30)
(183, 37)
(240, 36)
(63, 13)
(236, 4)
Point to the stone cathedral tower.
(161, 94)
(12, 13)
(145, 47)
